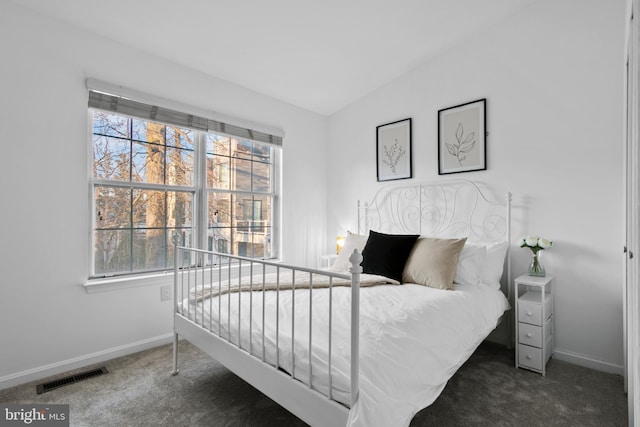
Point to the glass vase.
(536, 268)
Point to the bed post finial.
(355, 259)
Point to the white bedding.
(412, 340)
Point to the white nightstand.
(534, 322)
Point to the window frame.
(199, 192)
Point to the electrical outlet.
(165, 293)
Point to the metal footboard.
(211, 282)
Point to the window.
(149, 178)
(238, 194)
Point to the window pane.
(219, 240)
(219, 210)
(179, 167)
(218, 172)
(249, 233)
(148, 163)
(179, 209)
(252, 244)
(241, 149)
(110, 124)
(261, 214)
(261, 153)
(112, 207)
(148, 209)
(180, 138)
(111, 158)
(241, 175)
(261, 179)
(147, 131)
(218, 145)
(149, 249)
(112, 252)
(219, 236)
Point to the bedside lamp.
(339, 243)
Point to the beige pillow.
(433, 262)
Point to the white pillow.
(351, 242)
(494, 264)
(480, 264)
(470, 262)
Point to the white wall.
(47, 319)
(553, 79)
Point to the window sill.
(125, 282)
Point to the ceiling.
(320, 55)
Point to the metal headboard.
(447, 208)
(437, 209)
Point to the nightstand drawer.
(530, 357)
(532, 334)
(529, 312)
(530, 308)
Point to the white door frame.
(631, 165)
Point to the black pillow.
(386, 254)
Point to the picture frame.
(462, 142)
(393, 150)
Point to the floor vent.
(51, 385)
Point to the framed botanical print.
(462, 145)
(393, 150)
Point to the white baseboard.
(587, 362)
(82, 361)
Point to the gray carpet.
(486, 391)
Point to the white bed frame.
(445, 208)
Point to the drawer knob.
(529, 335)
(529, 356)
(529, 313)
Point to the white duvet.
(412, 340)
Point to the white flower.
(544, 243)
(531, 241)
(534, 243)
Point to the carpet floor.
(486, 391)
